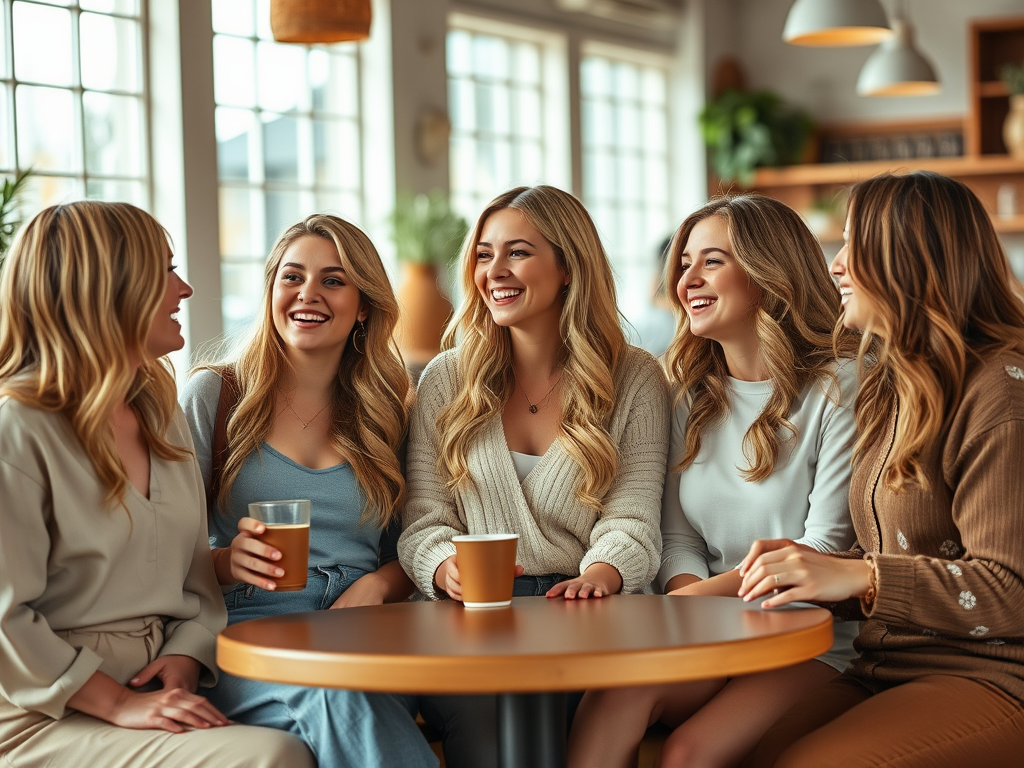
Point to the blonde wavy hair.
(80, 288)
(592, 345)
(370, 408)
(794, 321)
(924, 253)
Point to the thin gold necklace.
(306, 423)
(533, 408)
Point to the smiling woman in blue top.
(320, 415)
(761, 442)
(541, 421)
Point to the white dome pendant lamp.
(836, 23)
(897, 68)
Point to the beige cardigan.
(70, 560)
(557, 533)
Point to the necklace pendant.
(533, 409)
(305, 425)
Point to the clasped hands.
(789, 572)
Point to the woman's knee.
(256, 747)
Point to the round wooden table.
(529, 654)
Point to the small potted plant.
(1012, 74)
(427, 234)
(746, 130)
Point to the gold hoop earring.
(359, 334)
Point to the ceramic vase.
(424, 313)
(1013, 128)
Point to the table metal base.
(531, 730)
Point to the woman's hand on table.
(252, 561)
(791, 572)
(598, 580)
(173, 670)
(446, 578)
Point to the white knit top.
(557, 532)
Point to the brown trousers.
(32, 740)
(938, 721)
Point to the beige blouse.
(70, 560)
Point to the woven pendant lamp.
(320, 21)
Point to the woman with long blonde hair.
(538, 420)
(761, 443)
(314, 407)
(936, 494)
(108, 599)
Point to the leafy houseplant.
(427, 234)
(10, 219)
(1013, 75)
(748, 129)
(426, 230)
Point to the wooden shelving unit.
(984, 165)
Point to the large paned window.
(624, 121)
(288, 142)
(506, 91)
(73, 102)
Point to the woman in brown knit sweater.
(936, 497)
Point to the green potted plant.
(427, 235)
(746, 130)
(1012, 74)
(10, 215)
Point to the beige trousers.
(32, 740)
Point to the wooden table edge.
(557, 672)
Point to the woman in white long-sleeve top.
(761, 441)
(109, 606)
(541, 421)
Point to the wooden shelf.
(985, 166)
(848, 173)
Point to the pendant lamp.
(836, 23)
(897, 68)
(320, 21)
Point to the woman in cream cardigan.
(108, 600)
(539, 420)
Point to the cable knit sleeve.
(627, 534)
(430, 518)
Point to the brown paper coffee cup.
(487, 568)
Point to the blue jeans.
(344, 729)
(469, 724)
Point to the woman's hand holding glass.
(792, 572)
(252, 561)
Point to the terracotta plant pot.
(1013, 127)
(424, 314)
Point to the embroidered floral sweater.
(950, 560)
(557, 532)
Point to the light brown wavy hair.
(943, 298)
(794, 321)
(370, 409)
(80, 288)
(592, 345)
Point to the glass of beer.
(287, 531)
